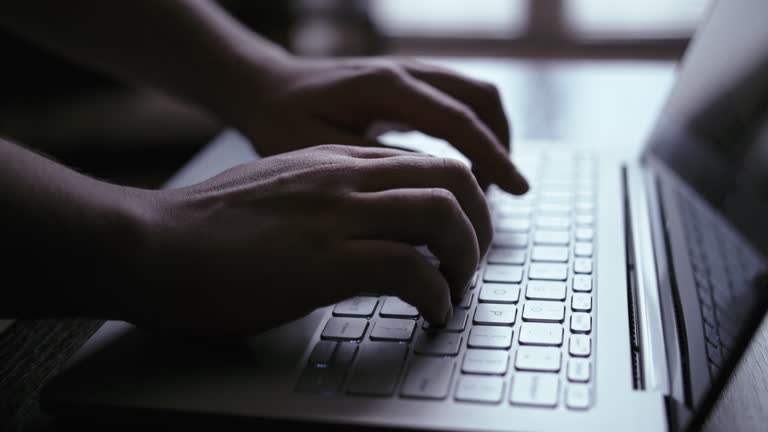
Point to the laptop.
(618, 294)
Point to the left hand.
(306, 102)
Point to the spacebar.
(377, 369)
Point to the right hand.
(269, 241)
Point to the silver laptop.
(618, 294)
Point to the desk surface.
(584, 104)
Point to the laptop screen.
(713, 134)
(714, 129)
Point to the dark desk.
(579, 104)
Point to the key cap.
(550, 253)
(581, 249)
(582, 265)
(584, 234)
(535, 358)
(473, 282)
(485, 362)
(577, 396)
(433, 343)
(503, 273)
(322, 353)
(558, 272)
(393, 329)
(581, 322)
(495, 314)
(506, 256)
(466, 301)
(585, 220)
(320, 380)
(377, 368)
(345, 353)
(556, 238)
(510, 240)
(345, 329)
(554, 209)
(534, 389)
(512, 225)
(543, 311)
(541, 334)
(499, 293)
(545, 290)
(487, 389)
(582, 283)
(579, 370)
(581, 302)
(356, 307)
(493, 337)
(580, 345)
(456, 324)
(428, 378)
(585, 207)
(395, 308)
(514, 210)
(553, 223)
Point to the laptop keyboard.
(722, 270)
(523, 334)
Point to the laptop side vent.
(634, 337)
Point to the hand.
(311, 102)
(269, 241)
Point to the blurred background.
(136, 136)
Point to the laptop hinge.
(645, 307)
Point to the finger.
(360, 147)
(434, 218)
(481, 96)
(417, 171)
(393, 268)
(433, 112)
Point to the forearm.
(191, 49)
(71, 241)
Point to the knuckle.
(457, 172)
(388, 72)
(442, 204)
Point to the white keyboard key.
(543, 311)
(545, 290)
(584, 234)
(428, 378)
(457, 323)
(558, 272)
(581, 302)
(377, 368)
(534, 389)
(392, 329)
(514, 210)
(499, 293)
(395, 308)
(578, 396)
(582, 283)
(466, 301)
(553, 223)
(581, 322)
(534, 358)
(585, 220)
(510, 240)
(557, 238)
(554, 209)
(585, 207)
(579, 370)
(345, 329)
(485, 362)
(356, 307)
(493, 337)
(580, 345)
(433, 343)
(488, 389)
(503, 273)
(582, 265)
(495, 314)
(582, 249)
(541, 334)
(550, 253)
(506, 256)
(512, 225)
